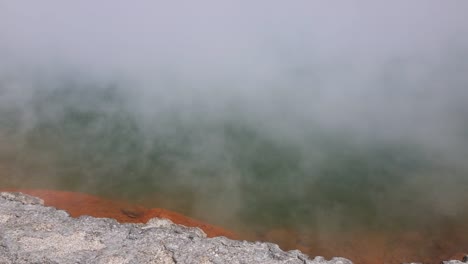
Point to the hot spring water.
(302, 191)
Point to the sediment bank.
(364, 248)
(33, 233)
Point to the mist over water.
(314, 117)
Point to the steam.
(238, 108)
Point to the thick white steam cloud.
(378, 72)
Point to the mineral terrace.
(33, 233)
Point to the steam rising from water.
(261, 113)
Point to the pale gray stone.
(33, 233)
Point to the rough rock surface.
(33, 233)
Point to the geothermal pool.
(340, 129)
(323, 191)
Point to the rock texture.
(33, 233)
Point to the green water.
(230, 171)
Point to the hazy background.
(306, 114)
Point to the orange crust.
(78, 204)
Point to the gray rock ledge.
(33, 233)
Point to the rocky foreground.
(33, 233)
